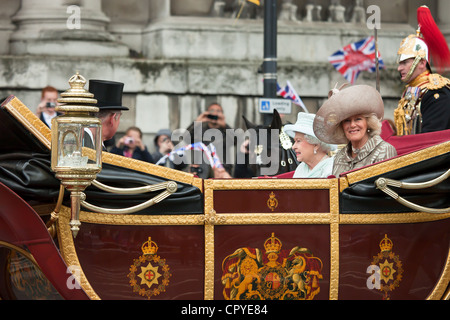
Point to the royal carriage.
(380, 232)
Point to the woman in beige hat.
(353, 117)
(311, 152)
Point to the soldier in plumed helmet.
(425, 103)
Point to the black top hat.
(108, 94)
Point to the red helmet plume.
(434, 38)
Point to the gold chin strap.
(413, 68)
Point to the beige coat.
(375, 150)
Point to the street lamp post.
(270, 53)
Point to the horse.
(269, 149)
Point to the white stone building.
(176, 56)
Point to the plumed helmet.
(428, 43)
(412, 47)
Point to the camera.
(196, 170)
(212, 117)
(128, 140)
(50, 105)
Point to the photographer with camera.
(131, 146)
(212, 118)
(46, 108)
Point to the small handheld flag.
(289, 92)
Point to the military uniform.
(425, 103)
(424, 106)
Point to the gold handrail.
(383, 183)
(170, 186)
(139, 190)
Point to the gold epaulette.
(409, 105)
(436, 81)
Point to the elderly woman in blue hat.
(311, 152)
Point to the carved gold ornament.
(390, 267)
(149, 274)
(272, 203)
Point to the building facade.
(177, 56)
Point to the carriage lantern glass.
(76, 143)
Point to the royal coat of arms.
(276, 274)
(149, 274)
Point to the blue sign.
(283, 106)
(265, 105)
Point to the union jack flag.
(356, 57)
(209, 151)
(289, 92)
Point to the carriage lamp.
(76, 144)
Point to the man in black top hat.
(109, 100)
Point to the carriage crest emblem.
(390, 267)
(272, 203)
(149, 274)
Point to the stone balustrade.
(39, 26)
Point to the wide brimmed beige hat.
(343, 104)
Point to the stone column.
(337, 12)
(191, 7)
(309, 17)
(60, 27)
(9, 8)
(159, 9)
(218, 9)
(128, 18)
(288, 11)
(359, 12)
